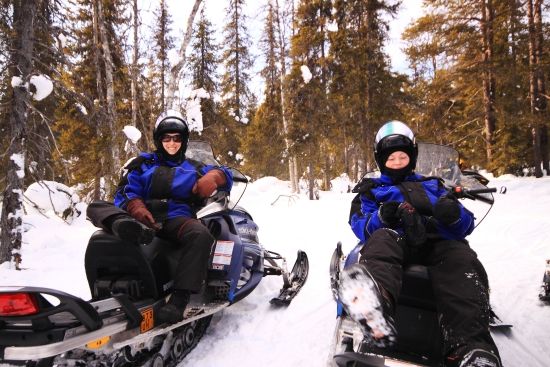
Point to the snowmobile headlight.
(18, 304)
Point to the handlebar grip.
(482, 191)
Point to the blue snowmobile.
(129, 283)
(419, 339)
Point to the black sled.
(419, 339)
(129, 283)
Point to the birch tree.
(175, 72)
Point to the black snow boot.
(172, 311)
(472, 357)
(366, 303)
(130, 230)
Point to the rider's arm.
(459, 229)
(364, 218)
(228, 176)
(132, 186)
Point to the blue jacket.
(155, 180)
(422, 192)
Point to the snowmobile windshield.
(201, 151)
(438, 160)
(442, 161)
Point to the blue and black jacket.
(422, 192)
(165, 186)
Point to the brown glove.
(207, 184)
(137, 209)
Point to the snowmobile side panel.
(254, 280)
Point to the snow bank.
(52, 199)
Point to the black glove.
(413, 225)
(388, 213)
(447, 210)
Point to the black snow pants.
(459, 283)
(190, 243)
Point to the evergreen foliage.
(331, 118)
(163, 42)
(235, 92)
(203, 63)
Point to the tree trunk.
(98, 117)
(112, 170)
(295, 188)
(176, 69)
(537, 106)
(489, 87)
(541, 101)
(135, 70)
(24, 12)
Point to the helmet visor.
(394, 141)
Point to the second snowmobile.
(419, 339)
(129, 283)
(544, 294)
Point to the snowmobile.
(419, 339)
(129, 283)
(545, 291)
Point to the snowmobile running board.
(192, 313)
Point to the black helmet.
(395, 136)
(171, 121)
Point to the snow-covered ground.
(512, 242)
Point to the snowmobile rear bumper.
(70, 324)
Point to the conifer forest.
(476, 81)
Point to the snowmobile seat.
(415, 315)
(113, 266)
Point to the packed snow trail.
(512, 242)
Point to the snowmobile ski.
(496, 324)
(293, 281)
(545, 288)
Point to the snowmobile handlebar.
(461, 192)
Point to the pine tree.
(31, 53)
(308, 107)
(235, 92)
(163, 43)
(481, 45)
(537, 87)
(263, 145)
(237, 60)
(363, 92)
(203, 63)
(21, 65)
(90, 115)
